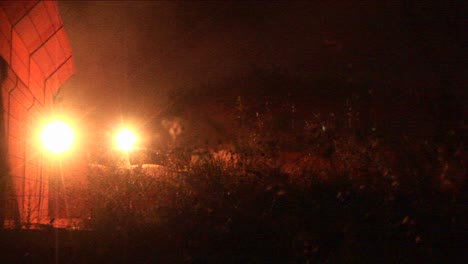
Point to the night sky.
(132, 57)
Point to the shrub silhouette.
(348, 196)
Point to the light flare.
(57, 137)
(125, 140)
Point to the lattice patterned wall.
(38, 57)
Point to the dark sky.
(130, 55)
(136, 51)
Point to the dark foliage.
(328, 189)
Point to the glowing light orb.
(125, 140)
(57, 137)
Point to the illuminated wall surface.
(37, 60)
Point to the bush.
(330, 191)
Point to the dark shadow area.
(3, 145)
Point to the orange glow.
(57, 137)
(125, 140)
